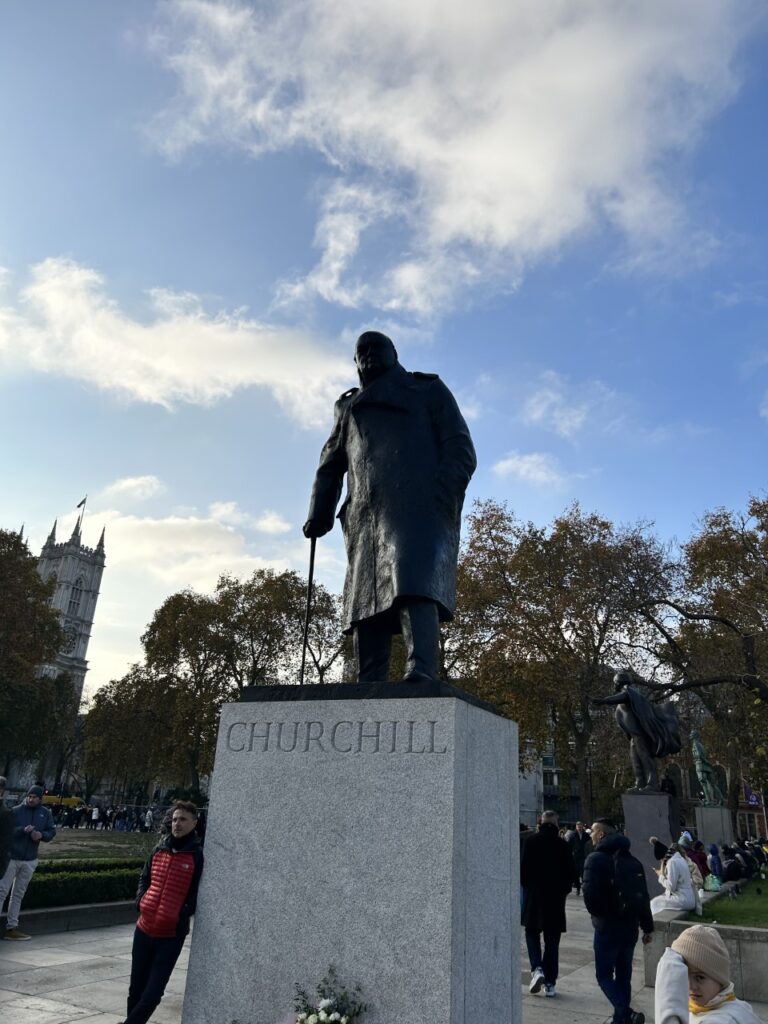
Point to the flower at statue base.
(333, 1004)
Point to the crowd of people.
(688, 868)
(96, 817)
(693, 983)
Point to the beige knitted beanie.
(703, 949)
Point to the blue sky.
(560, 208)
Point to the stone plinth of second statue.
(714, 825)
(376, 835)
(646, 815)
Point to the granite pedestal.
(646, 815)
(377, 835)
(714, 825)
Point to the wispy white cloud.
(272, 522)
(537, 468)
(473, 398)
(548, 407)
(487, 134)
(750, 293)
(564, 408)
(66, 323)
(269, 521)
(132, 488)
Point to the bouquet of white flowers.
(333, 1003)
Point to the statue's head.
(374, 355)
(695, 734)
(622, 679)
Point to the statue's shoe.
(417, 677)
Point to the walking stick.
(312, 544)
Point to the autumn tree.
(185, 652)
(545, 617)
(712, 637)
(56, 705)
(128, 734)
(30, 635)
(261, 625)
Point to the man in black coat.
(616, 923)
(580, 846)
(408, 457)
(546, 878)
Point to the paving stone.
(57, 979)
(31, 1009)
(49, 956)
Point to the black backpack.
(630, 890)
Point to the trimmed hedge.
(63, 888)
(80, 866)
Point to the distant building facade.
(77, 570)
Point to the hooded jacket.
(40, 818)
(714, 862)
(598, 887)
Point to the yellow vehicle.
(65, 801)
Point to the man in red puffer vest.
(166, 900)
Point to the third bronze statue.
(408, 457)
(653, 730)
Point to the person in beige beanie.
(693, 982)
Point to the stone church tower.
(77, 570)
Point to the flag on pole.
(81, 503)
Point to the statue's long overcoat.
(658, 723)
(408, 456)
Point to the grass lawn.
(750, 910)
(82, 843)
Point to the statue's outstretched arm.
(617, 698)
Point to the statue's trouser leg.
(420, 623)
(637, 764)
(648, 762)
(373, 643)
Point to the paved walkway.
(83, 976)
(578, 997)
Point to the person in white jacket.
(675, 876)
(693, 982)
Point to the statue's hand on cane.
(313, 528)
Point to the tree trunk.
(192, 760)
(581, 750)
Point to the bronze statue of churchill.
(408, 457)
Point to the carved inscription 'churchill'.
(344, 737)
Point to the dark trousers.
(614, 949)
(152, 961)
(420, 623)
(549, 961)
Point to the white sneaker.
(549, 991)
(537, 980)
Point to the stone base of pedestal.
(379, 836)
(714, 825)
(646, 815)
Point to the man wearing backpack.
(616, 895)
